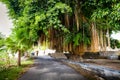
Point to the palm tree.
(16, 46)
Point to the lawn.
(14, 72)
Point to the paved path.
(47, 68)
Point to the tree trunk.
(101, 40)
(104, 41)
(77, 17)
(67, 20)
(108, 38)
(19, 58)
(94, 39)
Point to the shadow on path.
(46, 68)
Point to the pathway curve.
(46, 68)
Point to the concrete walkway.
(46, 68)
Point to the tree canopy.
(82, 25)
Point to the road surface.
(46, 68)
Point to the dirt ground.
(114, 64)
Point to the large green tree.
(33, 20)
(105, 16)
(85, 25)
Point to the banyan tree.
(76, 26)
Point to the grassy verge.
(13, 72)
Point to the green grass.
(2, 63)
(13, 72)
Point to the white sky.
(116, 35)
(5, 22)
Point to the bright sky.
(5, 22)
(116, 35)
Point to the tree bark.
(101, 40)
(108, 38)
(94, 39)
(104, 41)
(19, 58)
(77, 19)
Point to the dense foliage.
(32, 18)
(115, 43)
(1, 41)
(86, 23)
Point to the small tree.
(16, 46)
